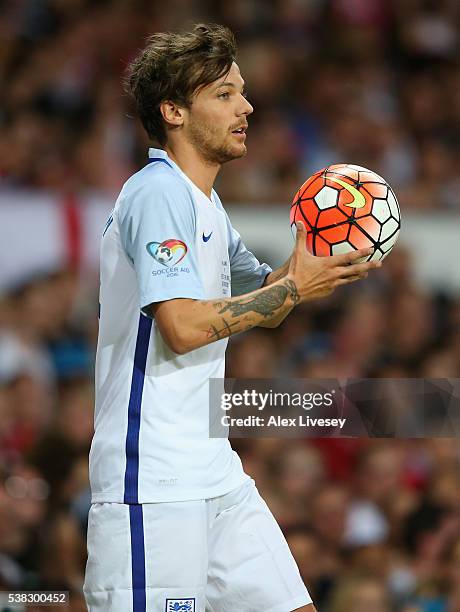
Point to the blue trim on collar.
(160, 159)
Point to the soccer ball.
(346, 207)
(163, 254)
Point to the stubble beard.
(211, 146)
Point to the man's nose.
(247, 108)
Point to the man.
(175, 524)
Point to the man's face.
(217, 112)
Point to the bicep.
(171, 319)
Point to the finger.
(348, 280)
(301, 237)
(358, 276)
(348, 258)
(357, 269)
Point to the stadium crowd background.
(374, 525)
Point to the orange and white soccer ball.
(346, 207)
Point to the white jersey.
(164, 239)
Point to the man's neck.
(199, 171)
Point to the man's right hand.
(317, 277)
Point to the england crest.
(180, 605)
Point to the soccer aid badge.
(169, 252)
(180, 605)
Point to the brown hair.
(175, 65)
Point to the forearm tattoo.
(291, 287)
(227, 329)
(265, 303)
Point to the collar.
(159, 155)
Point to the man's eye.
(224, 95)
(244, 94)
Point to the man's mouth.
(241, 130)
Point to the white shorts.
(225, 554)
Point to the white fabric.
(167, 455)
(225, 554)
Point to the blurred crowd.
(370, 82)
(374, 524)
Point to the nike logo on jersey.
(359, 201)
(206, 238)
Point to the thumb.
(301, 236)
(301, 231)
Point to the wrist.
(293, 294)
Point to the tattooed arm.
(271, 278)
(188, 324)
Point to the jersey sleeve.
(157, 226)
(246, 271)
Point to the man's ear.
(172, 114)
